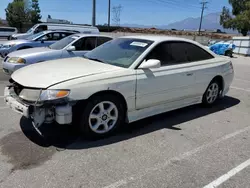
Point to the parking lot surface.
(190, 147)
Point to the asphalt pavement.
(190, 147)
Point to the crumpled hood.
(45, 74)
(31, 52)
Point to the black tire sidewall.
(84, 122)
(204, 98)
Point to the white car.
(7, 31)
(123, 80)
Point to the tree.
(17, 13)
(35, 12)
(116, 10)
(239, 19)
(22, 11)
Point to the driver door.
(169, 83)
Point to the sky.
(143, 12)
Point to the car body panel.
(59, 71)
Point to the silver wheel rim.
(212, 93)
(103, 117)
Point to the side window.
(102, 40)
(195, 53)
(56, 36)
(162, 52)
(63, 35)
(90, 43)
(79, 44)
(41, 28)
(85, 44)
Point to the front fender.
(83, 88)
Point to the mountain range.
(210, 22)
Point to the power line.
(202, 11)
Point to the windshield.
(31, 29)
(59, 45)
(120, 52)
(32, 37)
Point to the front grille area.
(17, 88)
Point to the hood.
(31, 52)
(19, 41)
(45, 74)
(21, 35)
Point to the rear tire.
(101, 117)
(211, 94)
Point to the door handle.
(190, 74)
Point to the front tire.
(102, 116)
(211, 94)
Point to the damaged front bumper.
(39, 113)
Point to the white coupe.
(123, 80)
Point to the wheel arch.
(221, 81)
(106, 92)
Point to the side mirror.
(151, 63)
(71, 48)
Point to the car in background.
(44, 38)
(54, 26)
(7, 31)
(123, 80)
(223, 48)
(71, 46)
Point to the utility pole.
(93, 12)
(109, 14)
(202, 11)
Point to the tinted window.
(7, 30)
(195, 53)
(51, 37)
(41, 28)
(102, 40)
(85, 44)
(120, 52)
(170, 53)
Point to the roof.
(157, 38)
(91, 35)
(61, 30)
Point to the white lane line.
(161, 166)
(242, 80)
(242, 89)
(228, 175)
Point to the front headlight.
(53, 94)
(16, 60)
(45, 95)
(8, 45)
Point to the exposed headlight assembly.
(16, 60)
(47, 95)
(43, 95)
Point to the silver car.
(73, 45)
(44, 38)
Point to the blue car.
(223, 48)
(41, 39)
